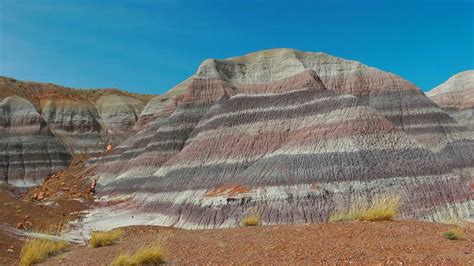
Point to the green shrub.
(454, 234)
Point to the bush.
(148, 255)
(454, 234)
(36, 250)
(252, 220)
(100, 239)
(381, 208)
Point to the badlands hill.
(456, 96)
(43, 125)
(294, 136)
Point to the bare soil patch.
(62, 197)
(347, 242)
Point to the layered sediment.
(44, 124)
(456, 97)
(293, 135)
(28, 149)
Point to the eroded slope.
(456, 96)
(42, 125)
(293, 135)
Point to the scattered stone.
(92, 187)
(40, 196)
(20, 226)
(28, 224)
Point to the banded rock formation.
(28, 149)
(44, 124)
(456, 96)
(292, 134)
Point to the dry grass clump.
(123, 260)
(454, 234)
(381, 208)
(252, 219)
(101, 239)
(147, 255)
(36, 250)
(456, 221)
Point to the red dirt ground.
(32, 216)
(392, 242)
(71, 183)
(64, 196)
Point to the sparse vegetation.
(454, 234)
(147, 255)
(381, 208)
(253, 219)
(123, 260)
(36, 250)
(454, 220)
(101, 239)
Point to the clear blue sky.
(148, 46)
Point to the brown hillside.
(38, 92)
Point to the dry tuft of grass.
(456, 221)
(36, 250)
(147, 255)
(101, 239)
(381, 208)
(253, 219)
(123, 260)
(454, 234)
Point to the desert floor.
(387, 242)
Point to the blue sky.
(148, 46)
